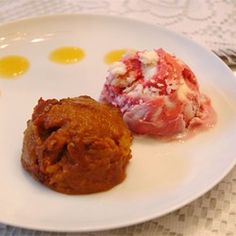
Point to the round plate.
(161, 177)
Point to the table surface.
(202, 20)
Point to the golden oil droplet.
(13, 66)
(114, 55)
(67, 55)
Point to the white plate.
(161, 176)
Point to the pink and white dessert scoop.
(158, 94)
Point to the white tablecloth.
(212, 24)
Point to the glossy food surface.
(76, 145)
